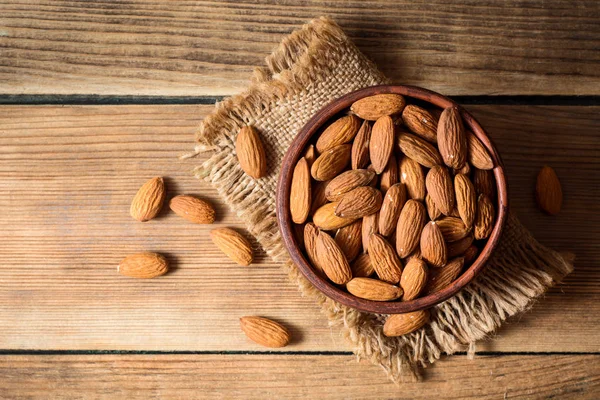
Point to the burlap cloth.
(310, 68)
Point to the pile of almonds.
(392, 201)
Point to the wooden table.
(98, 96)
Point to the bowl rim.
(285, 223)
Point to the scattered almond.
(300, 192)
(148, 200)
(359, 202)
(421, 122)
(250, 152)
(433, 246)
(403, 324)
(143, 265)
(384, 259)
(484, 219)
(332, 260)
(373, 289)
(414, 278)
(340, 132)
(265, 332)
(193, 209)
(233, 245)
(439, 187)
(381, 144)
(393, 202)
(374, 107)
(452, 140)
(548, 191)
(410, 224)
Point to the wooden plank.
(293, 376)
(67, 175)
(209, 48)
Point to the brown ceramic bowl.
(296, 150)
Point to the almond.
(332, 260)
(452, 228)
(370, 225)
(349, 239)
(548, 191)
(346, 182)
(340, 132)
(362, 266)
(360, 146)
(421, 122)
(300, 192)
(415, 254)
(433, 247)
(439, 187)
(466, 200)
(484, 183)
(393, 202)
(318, 195)
(143, 265)
(385, 260)
(419, 150)
(414, 278)
(251, 152)
(193, 209)
(233, 245)
(477, 154)
(471, 254)
(410, 224)
(452, 140)
(465, 170)
(403, 324)
(381, 144)
(484, 219)
(148, 200)
(310, 155)
(359, 202)
(374, 107)
(389, 176)
(375, 180)
(265, 332)
(440, 278)
(325, 218)
(311, 232)
(373, 289)
(459, 247)
(330, 163)
(433, 212)
(411, 174)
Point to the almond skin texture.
(370, 225)
(465, 170)
(403, 324)
(393, 201)
(439, 187)
(359, 202)
(265, 332)
(311, 233)
(452, 139)
(432, 210)
(452, 228)
(484, 183)
(466, 199)
(478, 155)
(381, 144)
(362, 266)
(389, 176)
(384, 259)
(347, 181)
(332, 260)
(411, 174)
(349, 239)
(433, 247)
(325, 218)
(233, 245)
(374, 107)
(193, 209)
(318, 195)
(360, 147)
(373, 289)
(148, 200)
(440, 278)
(419, 150)
(484, 219)
(410, 224)
(251, 152)
(143, 265)
(300, 192)
(421, 122)
(330, 163)
(548, 191)
(459, 247)
(414, 278)
(340, 132)
(310, 155)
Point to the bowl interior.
(294, 153)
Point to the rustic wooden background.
(98, 96)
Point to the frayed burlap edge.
(520, 271)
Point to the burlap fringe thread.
(300, 71)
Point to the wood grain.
(67, 175)
(210, 47)
(293, 376)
